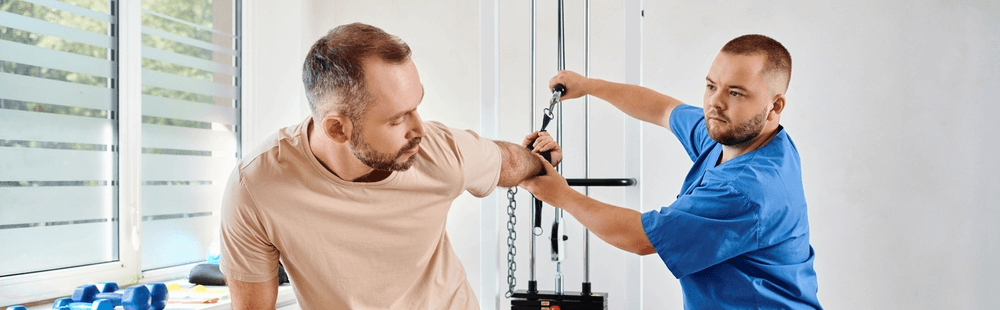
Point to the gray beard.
(382, 161)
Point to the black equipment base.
(545, 300)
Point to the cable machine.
(558, 298)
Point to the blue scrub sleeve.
(705, 228)
(687, 122)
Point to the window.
(57, 135)
(72, 115)
(189, 130)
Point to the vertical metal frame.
(633, 144)
(238, 103)
(130, 134)
(489, 100)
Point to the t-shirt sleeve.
(480, 159)
(689, 239)
(687, 122)
(247, 253)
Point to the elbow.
(643, 247)
(646, 251)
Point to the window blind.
(190, 108)
(58, 134)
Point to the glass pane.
(58, 133)
(190, 131)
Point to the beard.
(382, 161)
(741, 134)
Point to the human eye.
(735, 94)
(710, 87)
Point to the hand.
(544, 142)
(551, 187)
(576, 85)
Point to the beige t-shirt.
(347, 245)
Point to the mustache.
(409, 146)
(713, 115)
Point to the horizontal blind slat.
(61, 246)
(178, 20)
(104, 17)
(188, 61)
(177, 241)
(185, 40)
(186, 84)
(35, 164)
(187, 110)
(157, 167)
(47, 127)
(180, 138)
(48, 58)
(32, 89)
(63, 32)
(158, 200)
(26, 205)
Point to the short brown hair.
(779, 61)
(333, 74)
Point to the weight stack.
(549, 300)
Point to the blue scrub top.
(737, 236)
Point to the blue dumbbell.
(17, 308)
(158, 295)
(133, 298)
(107, 287)
(69, 304)
(85, 293)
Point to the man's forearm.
(518, 164)
(615, 225)
(639, 102)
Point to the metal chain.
(511, 237)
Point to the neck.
(336, 157)
(732, 151)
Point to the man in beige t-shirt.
(353, 200)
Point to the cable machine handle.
(601, 182)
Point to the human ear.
(337, 128)
(777, 105)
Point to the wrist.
(571, 199)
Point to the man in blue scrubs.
(737, 236)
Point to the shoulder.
(281, 148)
(441, 140)
(770, 176)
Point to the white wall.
(273, 95)
(889, 106)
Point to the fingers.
(543, 141)
(572, 81)
(549, 169)
(531, 137)
(544, 145)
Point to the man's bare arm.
(639, 102)
(253, 296)
(620, 227)
(517, 164)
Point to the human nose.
(716, 100)
(418, 127)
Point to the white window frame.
(40, 286)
